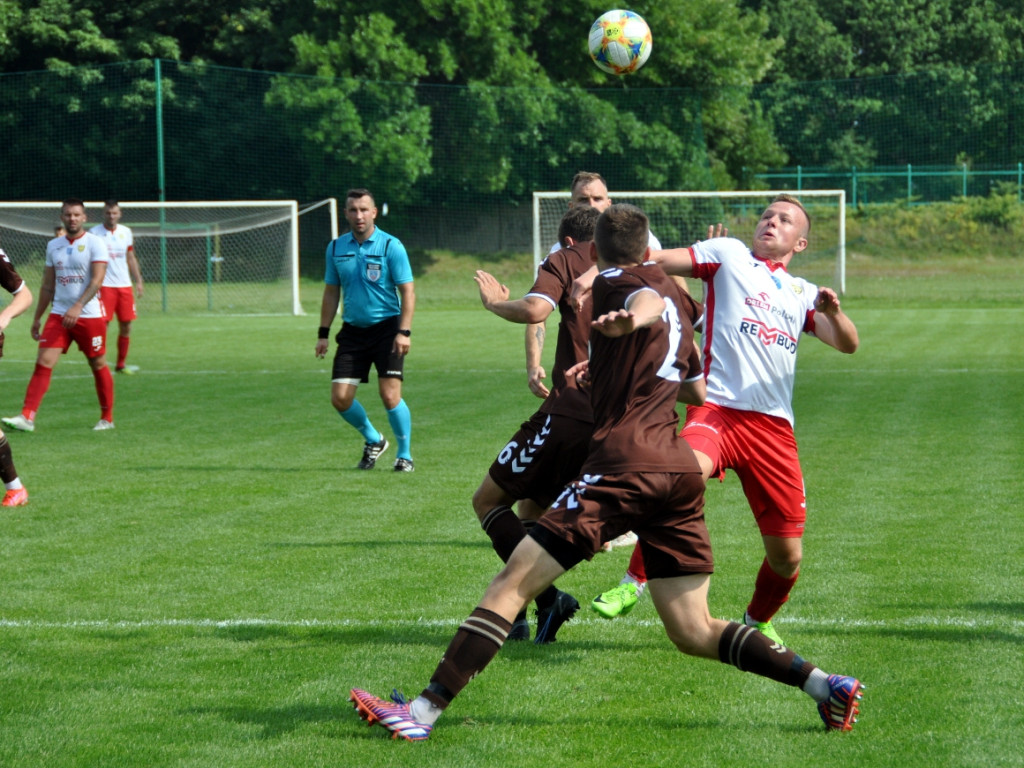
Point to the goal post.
(223, 256)
(678, 219)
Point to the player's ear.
(569, 241)
(801, 243)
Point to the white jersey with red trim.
(118, 242)
(72, 265)
(754, 313)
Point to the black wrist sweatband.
(323, 332)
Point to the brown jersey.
(554, 283)
(11, 282)
(635, 379)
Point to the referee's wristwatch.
(405, 331)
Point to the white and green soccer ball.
(620, 42)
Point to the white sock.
(817, 686)
(424, 711)
(14, 485)
(640, 585)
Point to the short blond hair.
(787, 198)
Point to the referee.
(368, 273)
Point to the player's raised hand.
(581, 286)
(619, 322)
(717, 230)
(491, 291)
(827, 302)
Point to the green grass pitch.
(203, 585)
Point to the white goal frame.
(162, 230)
(545, 235)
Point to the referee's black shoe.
(371, 452)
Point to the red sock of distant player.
(105, 392)
(635, 570)
(37, 386)
(770, 592)
(122, 350)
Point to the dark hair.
(784, 198)
(72, 201)
(621, 234)
(111, 203)
(578, 223)
(360, 192)
(582, 178)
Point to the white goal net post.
(679, 219)
(224, 256)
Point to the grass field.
(203, 585)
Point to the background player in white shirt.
(116, 294)
(755, 312)
(74, 271)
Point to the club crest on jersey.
(797, 288)
(373, 271)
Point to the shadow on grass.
(568, 651)
(274, 722)
(1015, 610)
(363, 544)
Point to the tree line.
(496, 98)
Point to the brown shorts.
(665, 509)
(542, 458)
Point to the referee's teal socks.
(401, 425)
(356, 416)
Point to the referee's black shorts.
(359, 348)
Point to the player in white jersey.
(75, 267)
(117, 292)
(755, 312)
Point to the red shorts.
(761, 450)
(119, 302)
(90, 333)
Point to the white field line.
(906, 622)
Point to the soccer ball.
(620, 42)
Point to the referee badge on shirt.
(373, 271)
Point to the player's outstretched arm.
(675, 261)
(494, 297)
(22, 300)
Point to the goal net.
(225, 257)
(678, 219)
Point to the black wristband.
(323, 332)
(405, 332)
